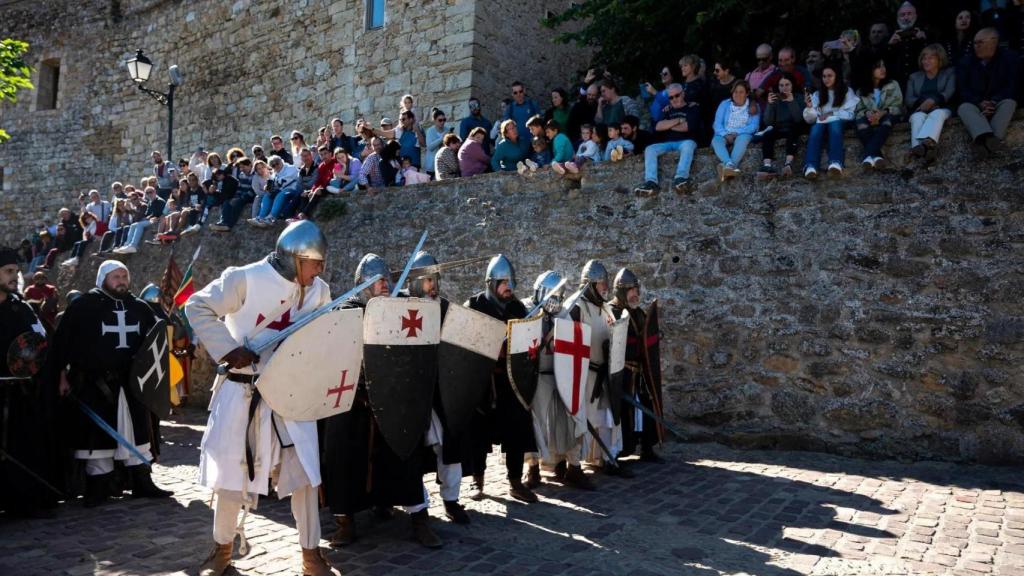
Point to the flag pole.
(195, 256)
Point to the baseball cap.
(385, 121)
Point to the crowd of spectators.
(907, 72)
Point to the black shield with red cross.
(400, 341)
(470, 346)
(571, 347)
(26, 354)
(523, 361)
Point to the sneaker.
(882, 165)
(992, 144)
(731, 171)
(681, 185)
(835, 170)
(721, 172)
(648, 188)
(616, 154)
(521, 167)
(530, 164)
(787, 170)
(127, 250)
(190, 230)
(571, 167)
(70, 261)
(219, 227)
(869, 161)
(253, 221)
(559, 168)
(811, 173)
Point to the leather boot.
(575, 477)
(314, 563)
(532, 477)
(621, 470)
(97, 490)
(478, 488)
(346, 532)
(142, 484)
(455, 512)
(517, 490)
(560, 471)
(422, 532)
(218, 561)
(649, 455)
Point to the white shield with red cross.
(313, 373)
(572, 363)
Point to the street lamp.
(139, 69)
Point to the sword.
(575, 296)
(301, 322)
(597, 438)
(110, 431)
(545, 298)
(438, 268)
(654, 416)
(408, 265)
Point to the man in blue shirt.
(409, 137)
(475, 119)
(677, 132)
(521, 110)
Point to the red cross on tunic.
(340, 390)
(578, 350)
(280, 324)
(412, 323)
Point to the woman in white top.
(828, 110)
(435, 136)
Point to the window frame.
(371, 13)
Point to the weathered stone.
(857, 415)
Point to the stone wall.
(878, 315)
(252, 69)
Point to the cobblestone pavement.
(707, 510)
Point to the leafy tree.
(14, 73)
(635, 38)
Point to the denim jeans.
(136, 231)
(686, 148)
(739, 148)
(820, 131)
(874, 137)
(232, 209)
(277, 205)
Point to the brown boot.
(314, 563)
(478, 488)
(422, 532)
(532, 477)
(517, 490)
(575, 477)
(346, 532)
(218, 561)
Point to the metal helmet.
(371, 264)
(150, 294)
(300, 240)
(72, 295)
(594, 272)
(544, 284)
(624, 280)
(500, 268)
(422, 259)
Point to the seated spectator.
(905, 44)
(258, 155)
(988, 87)
(117, 226)
(762, 72)
(446, 161)
(613, 107)
(475, 119)
(285, 190)
(959, 40)
(678, 132)
(879, 107)
(365, 141)
(435, 138)
(582, 112)
(540, 156)
(154, 212)
(520, 110)
(787, 65)
(508, 152)
(213, 163)
(71, 226)
(195, 201)
(410, 175)
(783, 120)
(317, 190)
(735, 123)
(410, 138)
(631, 131)
(827, 110)
(183, 168)
(659, 98)
(617, 147)
(589, 151)
(719, 90)
(561, 146)
(90, 226)
(390, 162)
(277, 149)
(298, 143)
(100, 210)
(223, 188)
(45, 243)
(370, 175)
(338, 138)
(473, 158)
(559, 110)
(344, 174)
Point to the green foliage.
(635, 38)
(14, 73)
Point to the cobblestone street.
(707, 510)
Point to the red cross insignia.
(412, 323)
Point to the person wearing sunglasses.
(764, 69)
(677, 132)
(521, 109)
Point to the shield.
(26, 354)
(651, 361)
(470, 345)
(400, 337)
(615, 361)
(572, 365)
(523, 361)
(313, 373)
(151, 372)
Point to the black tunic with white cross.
(96, 343)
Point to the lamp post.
(139, 68)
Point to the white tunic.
(599, 410)
(255, 303)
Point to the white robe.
(241, 296)
(598, 411)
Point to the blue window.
(374, 14)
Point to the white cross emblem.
(158, 354)
(121, 329)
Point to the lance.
(408, 265)
(654, 416)
(110, 431)
(547, 297)
(438, 268)
(604, 448)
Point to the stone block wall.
(252, 69)
(877, 315)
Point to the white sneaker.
(835, 170)
(558, 168)
(521, 168)
(810, 173)
(70, 261)
(190, 230)
(530, 164)
(127, 250)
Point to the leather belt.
(242, 378)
